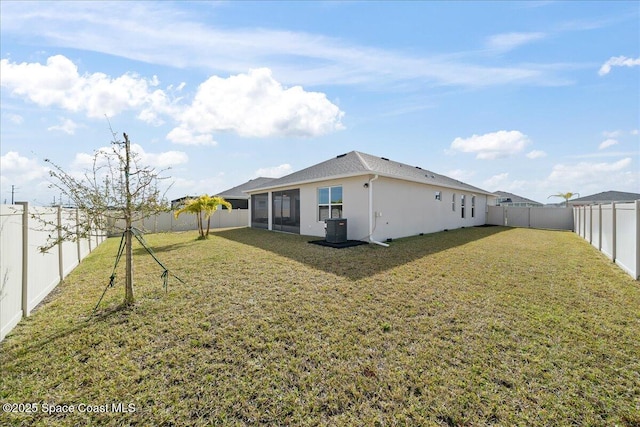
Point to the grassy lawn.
(478, 326)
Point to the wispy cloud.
(160, 34)
(67, 126)
(618, 61)
(607, 143)
(509, 41)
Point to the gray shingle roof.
(515, 198)
(238, 192)
(356, 163)
(606, 197)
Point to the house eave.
(367, 174)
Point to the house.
(381, 199)
(509, 199)
(238, 197)
(605, 197)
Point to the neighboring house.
(238, 197)
(380, 199)
(605, 198)
(177, 203)
(509, 199)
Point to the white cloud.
(16, 119)
(508, 41)
(182, 135)
(27, 175)
(607, 143)
(536, 154)
(497, 181)
(256, 105)
(492, 145)
(461, 174)
(585, 176)
(618, 61)
(67, 126)
(612, 133)
(274, 172)
(58, 84)
(84, 161)
(13, 164)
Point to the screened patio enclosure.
(285, 211)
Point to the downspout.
(371, 213)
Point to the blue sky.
(533, 98)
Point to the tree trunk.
(208, 225)
(128, 298)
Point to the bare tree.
(117, 188)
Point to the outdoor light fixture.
(366, 185)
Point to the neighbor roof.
(238, 192)
(356, 163)
(607, 197)
(515, 198)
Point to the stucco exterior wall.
(401, 208)
(406, 209)
(355, 207)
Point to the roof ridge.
(362, 160)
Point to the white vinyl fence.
(166, 221)
(531, 217)
(614, 229)
(27, 275)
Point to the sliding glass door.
(286, 211)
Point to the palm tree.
(203, 207)
(565, 196)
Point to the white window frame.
(329, 205)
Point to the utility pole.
(13, 191)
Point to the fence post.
(60, 257)
(613, 237)
(25, 258)
(637, 272)
(590, 223)
(78, 240)
(600, 227)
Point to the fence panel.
(43, 268)
(552, 218)
(10, 268)
(607, 231)
(70, 258)
(588, 216)
(626, 236)
(517, 216)
(28, 274)
(166, 221)
(615, 231)
(596, 226)
(495, 215)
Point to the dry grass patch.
(475, 326)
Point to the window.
(439, 195)
(473, 206)
(453, 202)
(329, 202)
(462, 206)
